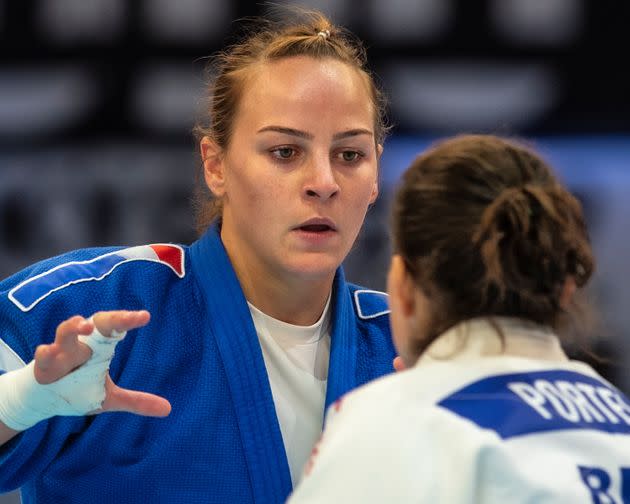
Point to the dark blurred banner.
(78, 70)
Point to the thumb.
(133, 401)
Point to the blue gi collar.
(244, 365)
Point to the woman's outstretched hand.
(67, 353)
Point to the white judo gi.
(478, 421)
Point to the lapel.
(343, 343)
(231, 325)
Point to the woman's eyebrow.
(351, 133)
(287, 131)
(310, 136)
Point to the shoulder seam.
(25, 308)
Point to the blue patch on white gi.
(536, 402)
(370, 303)
(29, 293)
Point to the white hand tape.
(24, 401)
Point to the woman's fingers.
(66, 353)
(132, 401)
(120, 321)
(68, 330)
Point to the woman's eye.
(284, 152)
(350, 156)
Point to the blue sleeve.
(32, 305)
(21, 331)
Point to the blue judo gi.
(222, 441)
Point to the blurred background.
(98, 98)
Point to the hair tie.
(324, 34)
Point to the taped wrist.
(24, 401)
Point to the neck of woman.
(296, 301)
(295, 297)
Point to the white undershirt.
(296, 358)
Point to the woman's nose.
(321, 182)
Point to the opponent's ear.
(401, 287)
(568, 291)
(213, 165)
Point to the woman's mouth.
(316, 231)
(316, 228)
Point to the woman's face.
(300, 170)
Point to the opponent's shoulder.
(368, 303)
(375, 405)
(37, 282)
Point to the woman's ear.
(375, 189)
(213, 166)
(374, 194)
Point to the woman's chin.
(314, 266)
